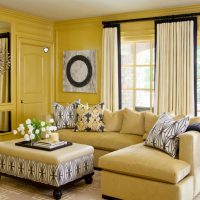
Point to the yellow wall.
(4, 30)
(26, 27)
(87, 34)
(77, 37)
(77, 34)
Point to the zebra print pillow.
(164, 134)
(65, 116)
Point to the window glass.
(127, 100)
(143, 53)
(152, 77)
(152, 98)
(153, 54)
(142, 99)
(126, 54)
(127, 78)
(143, 77)
(137, 75)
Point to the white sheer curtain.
(174, 81)
(109, 81)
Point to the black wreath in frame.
(89, 67)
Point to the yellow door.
(34, 78)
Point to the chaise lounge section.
(143, 173)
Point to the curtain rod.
(4, 35)
(106, 23)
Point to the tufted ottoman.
(54, 169)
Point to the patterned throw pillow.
(90, 119)
(164, 134)
(194, 127)
(65, 116)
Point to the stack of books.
(48, 144)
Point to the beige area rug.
(12, 189)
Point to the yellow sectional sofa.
(132, 171)
(117, 133)
(143, 173)
(103, 143)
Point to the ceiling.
(73, 9)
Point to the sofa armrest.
(189, 149)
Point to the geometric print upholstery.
(164, 134)
(51, 174)
(90, 119)
(65, 116)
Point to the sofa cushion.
(194, 120)
(90, 118)
(133, 122)
(109, 141)
(150, 120)
(193, 127)
(145, 162)
(65, 116)
(164, 134)
(113, 120)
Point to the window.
(198, 80)
(137, 75)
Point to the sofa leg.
(108, 197)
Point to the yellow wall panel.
(27, 27)
(77, 37)
(34, 30)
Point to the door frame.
(51, 81)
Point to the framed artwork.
(79, 71)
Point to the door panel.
(32, 110)
(34, 79)
(31, 72)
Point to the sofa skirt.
(133, 188)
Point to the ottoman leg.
(89, 179)
(57, 193)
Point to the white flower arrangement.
(32, 130)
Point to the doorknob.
(22, 101)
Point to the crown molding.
(13, 15)
(132, 15)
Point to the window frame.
(134, 65)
